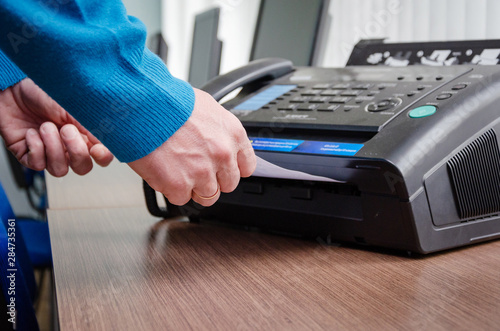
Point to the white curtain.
(396, 20)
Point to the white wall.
(237, 22)
(396, 20)
(148, 11)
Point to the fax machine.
(413, 152)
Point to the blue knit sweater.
(91, 58)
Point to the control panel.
(348, 99)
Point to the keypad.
(336, 96)
(337, 105)
(346, 99)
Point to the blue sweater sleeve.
(91, 58)
(10, 74)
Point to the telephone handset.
(218, 87)
(258, 70)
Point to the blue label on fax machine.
(305, 146)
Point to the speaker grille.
(475, 174)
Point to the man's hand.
(206, 156)
(42, 135)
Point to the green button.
(422, 111)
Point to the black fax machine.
(412, 153)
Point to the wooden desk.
(118, 268)
(121, 269)
(113, 186)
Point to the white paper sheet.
(268, 169)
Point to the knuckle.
(202, 173)
(224, 155)
(175, 191)
(239, 131)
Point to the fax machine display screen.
(263, 98)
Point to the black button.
(319, 100)
(299, 99)
(362, 86)
(420, 77)
(307, 107)
(376, 107)
(309, 92)
(401, 78)
(444, 96)
(410, 94)
(420, 88)
(321, 86)
(341, 86)
(330, 93)
(459, 87)
(340, 99)
(382, 105)
(328, 108)
(349, 108)
(351, 93)
(439, 78)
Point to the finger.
(57, 164)
(206, 200)
(91, 138)
(36, 153)
(78, 153)
(101, 155)
(247, 161)
(178, 197)
(229, 177)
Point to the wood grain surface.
(121, 269)
(113, 186)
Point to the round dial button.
(384, 104)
